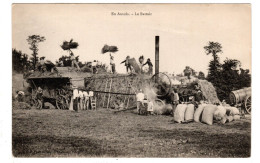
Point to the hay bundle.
(208, 91)
(107, 48)
(69, 45)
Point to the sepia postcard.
(131, 80)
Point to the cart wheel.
(62, 103)
(248, 104)
(162, 82)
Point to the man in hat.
(73, 61)
(150, 65)
(127, 64)
(19, 96)
(139, 100)
(81, 99)
(75, 98)
(41, 66)
(141, 61)
(86, 100)
(112, 63)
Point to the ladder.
(128, 91)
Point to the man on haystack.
(73, 61)
(127, 64)
(112, 63)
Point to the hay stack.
(208, 91)
(129, 84)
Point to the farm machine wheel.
(162, 82)
(62, 103)
(248, 104)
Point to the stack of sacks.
(180, 113)
(207, 115)
(189, 113)
(198, 112)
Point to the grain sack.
(219, 113)
(207, 115)
(232, 111)
(230, 118)
(198, 112)
(189, 113)
(236, 117)
(224, 119)
(179, 113)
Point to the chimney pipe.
(157, 57)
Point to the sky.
(184, 30)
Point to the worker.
(91, 96)
(141, 61)
(41, 65)
(112, 63)
(86, 100)
(139, 100)
(73, 61)
(75, 98)
(127, 64)
(150, 106)
(150, 65)
(39, 96)
(19, 96)
(174, 99)
(81, 99)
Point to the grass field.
(101, 133)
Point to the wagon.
(56, 88)
(241, 97)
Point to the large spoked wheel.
(62, 103)
(248, 104)
(162, 82)
(37, 103)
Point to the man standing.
(81, 98)
(86, 100)
(112, 63)
(174, 99)
(127, 64)
(139, 100)
(150, 71)
(73, 61)
(75, 98)
(91, 95)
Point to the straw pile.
(126, 84)
(208, 91)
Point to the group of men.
(129, 68)
(142, 100)
(81, 99)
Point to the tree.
(34, 41)
(213, 48)
(20, 61)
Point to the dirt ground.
(102, 133)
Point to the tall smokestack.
(157, 56)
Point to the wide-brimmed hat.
(42, 58)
